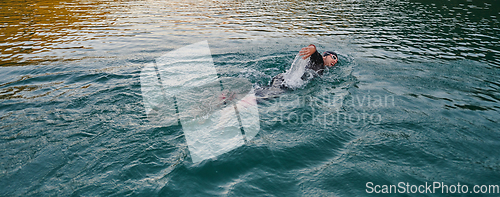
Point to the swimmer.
(317, 63)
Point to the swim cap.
(329, 53)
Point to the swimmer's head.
(330, 58)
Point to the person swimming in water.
(316, 62)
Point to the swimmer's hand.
(307, 51)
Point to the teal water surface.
(414, 98)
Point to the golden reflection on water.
(37, 26)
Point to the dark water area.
(414, 98)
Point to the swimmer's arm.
(306, 52)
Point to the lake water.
(414, 98)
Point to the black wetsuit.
(315, 63)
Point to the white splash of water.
(293, 76)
